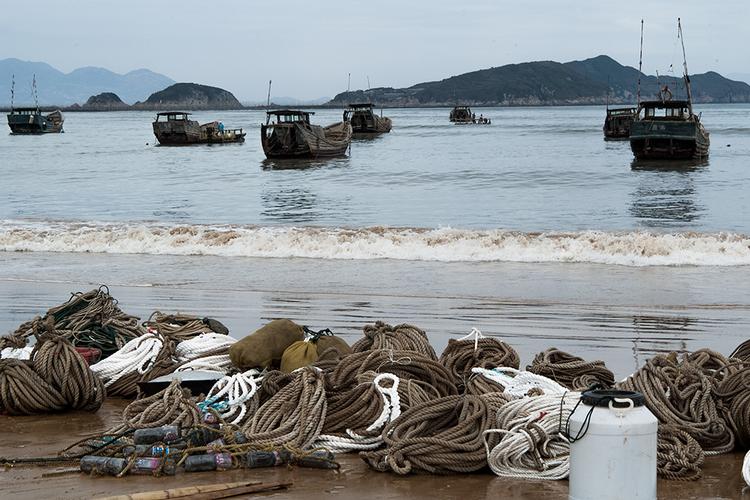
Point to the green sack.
(266, 345)
(299, 354)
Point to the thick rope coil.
(406, 365)
(294, 416)
(742, 352)
(182, 327)
(58, 363)
(23, 392)
(137, 356)
(479, 385)
(371, 437)
(531, 445)
(679, 456)
(234, 396)
(520, 383)
(219, 363)
(571, 371)
(680, 393)
(476, 351)
(172, 406)
(733, 394)
(203, 344)
(440, 436)
(398, 338)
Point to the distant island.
(547, 83)
(106, 101)
(190, 96)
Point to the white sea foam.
(443, 244)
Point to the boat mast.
(12, 91)
(685, 68)
(36, 95)
(268, 99)
(640, 66)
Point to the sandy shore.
(46, 435)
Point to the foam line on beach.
(441, 244)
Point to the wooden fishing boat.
(667, 129)
(462, 115)
(32, 121)
(365, 121)
(288, 133)
(174, 128)
(617, 123)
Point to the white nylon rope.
(391, 411)
(202, 344)
(518, 383)
(16, 352)
(516, 455)
(476, 334)
(233, 392)
(137, 355)
(746, 469)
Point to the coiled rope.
(476, 351)
(742, 352)
(439, 436)
(531, 444)
(136, 357)
(171, 406)
(518, 383)
(292, 417)
(402, 337)
(573, 372)
(234, 397)
(679, 456)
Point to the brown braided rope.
(680, 393)
(679, 457)
(742, 352)
(440, 436)
(171, 406)
(56, 361)
(570, 371)
(733, 394)
(402, 337)
(407, 365)
(23, 392)
(294, 416)
(460, 356)
(177, 327)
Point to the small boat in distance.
(174, 128)
(31, 120)
(617, 123)
(462, 115)
(365, 121)
(288, 133)
(667, 129)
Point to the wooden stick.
(204, 492)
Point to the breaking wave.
(442, 244)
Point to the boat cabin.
(461, 114)
(362, 108)
(281, 116)
(25, 111)
(664, 110)
(172, 116)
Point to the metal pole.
(684, 66)
(640, 66)
(268, 100)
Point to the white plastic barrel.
(615, 457)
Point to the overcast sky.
(307, 47)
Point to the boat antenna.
(369, 97)
(640, 66)
(684, 66)
(12, 90)
(36, 95)
(268, 99)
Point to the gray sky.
(308, 47)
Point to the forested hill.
(549, 83)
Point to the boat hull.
(652, 140)
(36, 124)
(298, 141)
(189, 132)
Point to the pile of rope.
(56, 378)
(742, 352)
(571, 371)
(679, 457)
(682, 393)
(398, 338)
(171, 406)
(234, 397)
(91, 319)
(206, 351)
(476, 351)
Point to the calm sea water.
(533, 169)
(533, 229)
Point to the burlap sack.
(299, 354)
(326, 342)
(266, 345)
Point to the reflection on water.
(290, 205)
(302, 163)
(665, 194)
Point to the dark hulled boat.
(461, 114)
(365, 121)
(32, 121)
(617, 123)
(667, 129)
(174, 128)
(288, 133)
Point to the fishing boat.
(365, 121)
(31, 120)
(288, 133)
(669, 129)
(617, 123)
(175, 128)
(462, 115)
